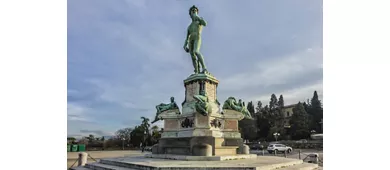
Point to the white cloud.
(294, 95)
(77, 113)
(276, 71)
(85, 133)
(113, 93)
(130, 96)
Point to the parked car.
(256, 146)
(272, 148)
(148, 149)
(302, 141)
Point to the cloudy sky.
(126, 56)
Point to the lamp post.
(123, 143)
(145, 136)
(276, 135)
(144, 141)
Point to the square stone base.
(190, 146)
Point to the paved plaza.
(72, 156)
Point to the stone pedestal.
(192, 133)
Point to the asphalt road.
(294, 154)
(294, 151)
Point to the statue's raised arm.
(200, 20)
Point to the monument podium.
(202, 128)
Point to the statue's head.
(193, 10)
(172, 99)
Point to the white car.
(301, 141)
(272, 148)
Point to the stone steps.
(101, 166)
(79, 168)
(202, 158)
(261, 163)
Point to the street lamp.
(123, 143)
(276, 135)
(144, 141)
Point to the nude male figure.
(194, 40)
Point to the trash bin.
(74, 148)
(68, 148)
(82, 147)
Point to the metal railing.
(80, 157)
(73, 164)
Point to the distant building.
(284, 120)
(287, 113)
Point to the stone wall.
(231, 125)
(191, 90)
(171, 124)
(211, 90)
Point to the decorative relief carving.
(216, 123)
(187, 123)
